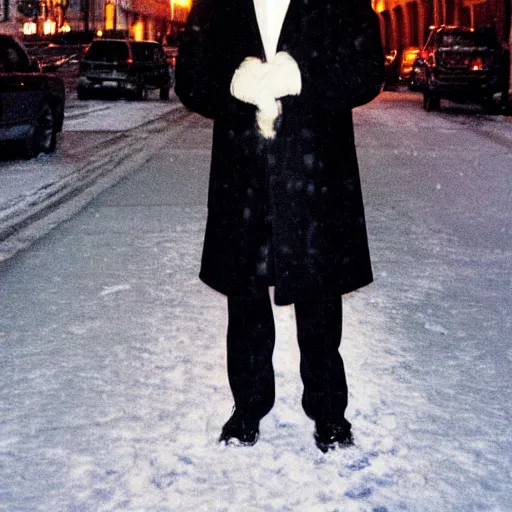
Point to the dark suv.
(31, 102)
(129, 67)
(460, 64)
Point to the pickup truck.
(31, 102)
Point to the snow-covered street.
(101, 142)
(113, 387)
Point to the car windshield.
(108, 51)
(12, 57)
(465, 39)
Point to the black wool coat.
(288, 211)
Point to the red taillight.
(477, 64)
(125, 64)
(424, 54)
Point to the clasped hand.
(263, 83)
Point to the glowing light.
(110, 16)
(380, 5)
(29, 28)
(99, 33)
(49, 27)
(182, 4)
(138, 31)
(477, 64)
(66, 27)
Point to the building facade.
(7, 12)
(403, 22)
(407, 22)
(139, 19)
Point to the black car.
(31, 102)
(398, 66)
(128, 67)
(460, 64)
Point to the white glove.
(254, 78)
(246, 84)
(266, 116)
(282, 76)
(262, 83)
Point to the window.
(467, 39)
(143, 52)
(12, 59)
(108, 51)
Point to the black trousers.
(250, 346)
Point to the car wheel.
(490, 106)
(83, 94)
(164, 93)
(43, 136)
(431, 101)
(141, 92)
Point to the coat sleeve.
(349, 70)
(202, 82)
(194, 80)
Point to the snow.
(27, 182)
(25, 185)
(128, 115)
(114, 391)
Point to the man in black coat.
(280, 78)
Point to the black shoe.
(240, 430)
(329, 436)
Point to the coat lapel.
(290, 25)
(254, 31)
(289, 29)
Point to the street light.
(49, 27)
(184, 4)
(110, 15)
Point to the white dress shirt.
(270, 15)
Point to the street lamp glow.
(49, 27)
(29, 28)
(66, 27)
(182, 4)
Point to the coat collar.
(291, 24)
(288, 31)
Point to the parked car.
(398, 66)
(31, 102)
(128, 67)
(409, 56)
(171, 53)
(415, 81)
(460, 64)
(391, 69)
